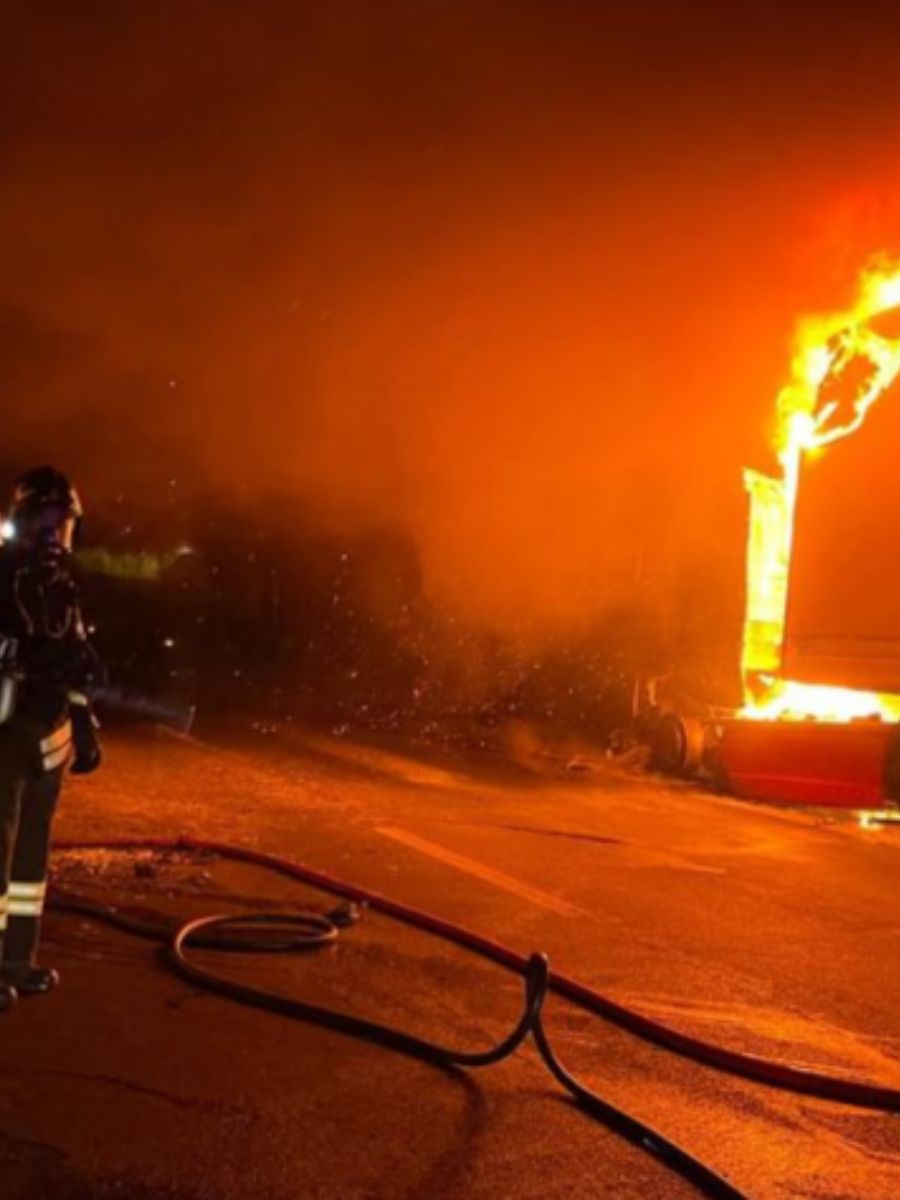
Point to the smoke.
(515, 279)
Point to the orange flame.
(808, 421)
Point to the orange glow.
(813, 413)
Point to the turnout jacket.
(42, 633)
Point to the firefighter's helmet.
(45, 507)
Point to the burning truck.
(820, 659)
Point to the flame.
(828, 349)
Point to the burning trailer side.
(821, 640)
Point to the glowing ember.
(842, 365)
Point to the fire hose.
(279, 932)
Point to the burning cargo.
(821, 640)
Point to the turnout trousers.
(29, 792)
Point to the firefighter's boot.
(27, 979)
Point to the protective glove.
(88, 754)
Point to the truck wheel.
(677, 745)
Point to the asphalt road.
(773, 931)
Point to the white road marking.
(490, 874)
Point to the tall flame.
(828, 350)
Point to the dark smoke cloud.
(514, 276)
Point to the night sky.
(516, 277)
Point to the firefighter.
(47, 666)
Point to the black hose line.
(278, 932)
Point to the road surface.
(772, 931)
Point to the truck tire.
(677, 745)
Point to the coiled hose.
(278, 932)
